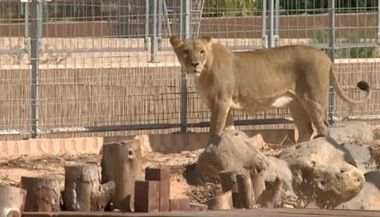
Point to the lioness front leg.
(317, 115)
(219, 113)
(229, 120)
(301, 120)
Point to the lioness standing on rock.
(251, 81)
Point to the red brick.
(147, 196)
(179, 204)
(162, 175)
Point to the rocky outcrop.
(321, 172)
(329, 172)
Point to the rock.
(320, 171)
(373, 177)
(345, 132)
(359, 156)
(257, 141)
(376, 132)
(369, 197)
(198, 207)
(232, 152)
(374, 147)
(345, 135)
(278, 168)
(272, 198)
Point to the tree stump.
(83, 189)
(12, 201)
(44, 194)
(222, 201)
(228, 181)
(122, 163)
(246, 194)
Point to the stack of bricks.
(153, 194)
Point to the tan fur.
(253, 81)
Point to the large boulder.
(348, 131)
(320, 171)
(359, 156)
(346, 136)
(278, 168)
(233, 152)
(369, 197)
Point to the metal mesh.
(107, 66)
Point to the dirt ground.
(11, 169)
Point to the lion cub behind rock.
(251, 81)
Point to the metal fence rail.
(97, 66)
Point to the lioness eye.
(185, 53)
(202, 52)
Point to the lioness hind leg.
(302, 121)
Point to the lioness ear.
(175, 41)
(207, 39)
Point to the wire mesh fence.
(106, 66)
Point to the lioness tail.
(362, 85)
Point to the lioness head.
(193, 54)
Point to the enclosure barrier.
(106, 66)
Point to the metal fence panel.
(15, 100)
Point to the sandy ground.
(180, 164)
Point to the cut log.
(258, 183)
(228, 181)
(83, 191)
(222, 201)
(122, 163)
(43, 194)
(12, 201)
(246, 194)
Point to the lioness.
(295, 76)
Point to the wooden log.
(228, 181)
(83, 191)
(246, 194)
(220, 202)
(122, 163)
(162, 175)
(43, 194)
(258, 183)
(12, 201)
(147, 196)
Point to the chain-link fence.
(106, 66)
